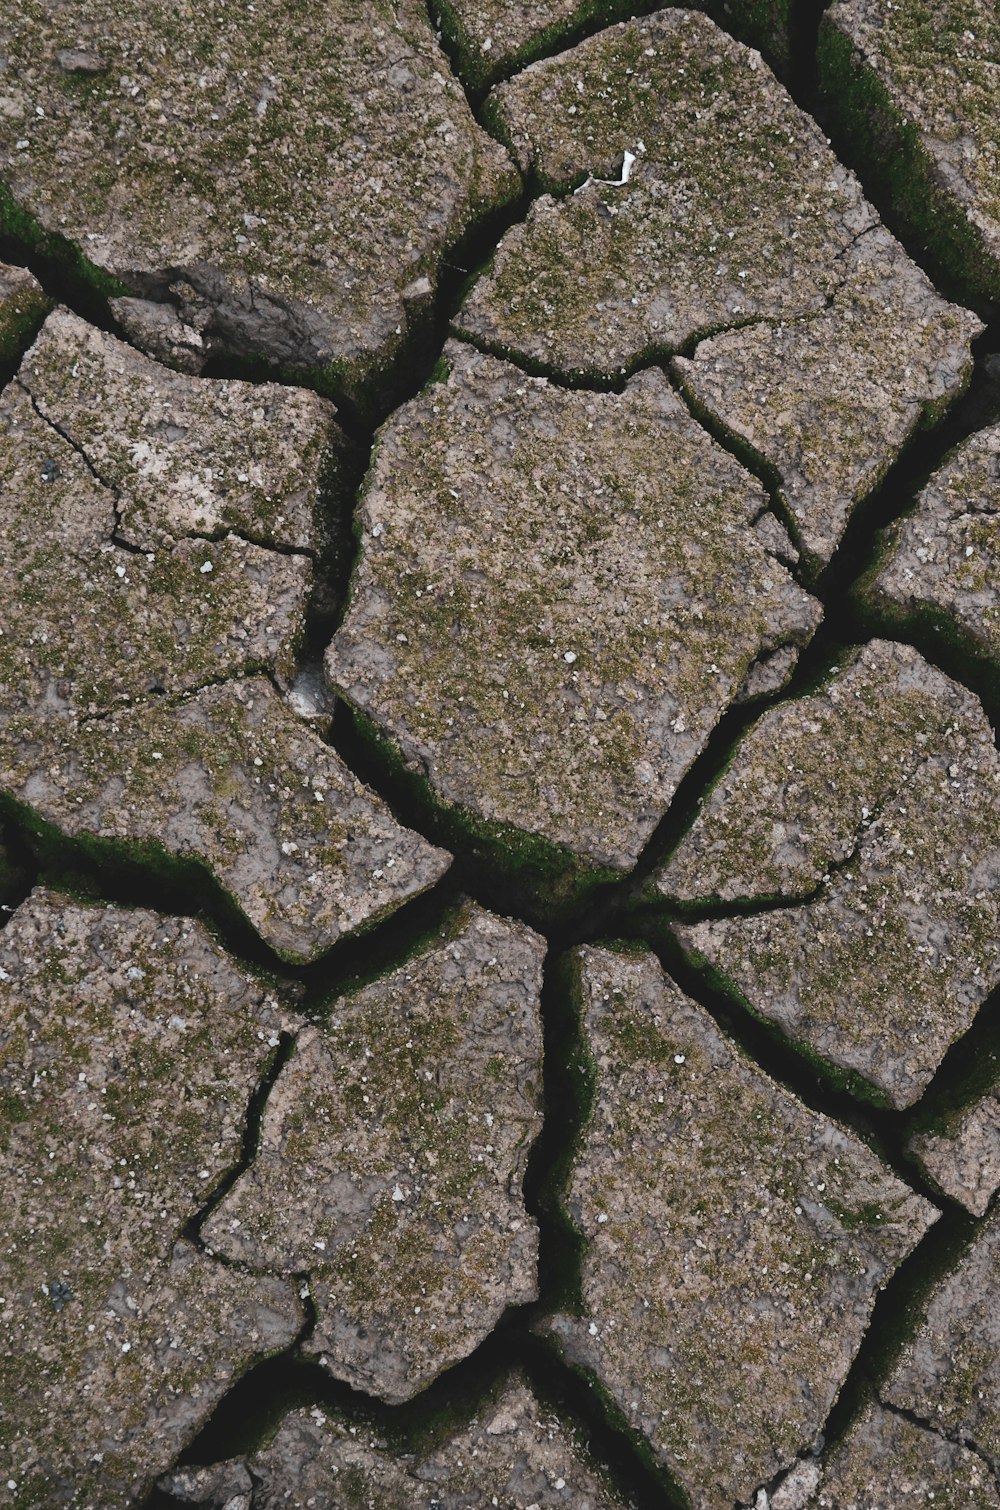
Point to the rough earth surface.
(735, 218)
(401, 1129)
(941, 561)
(515, 1452)
(555, 651)
(722, 1221)
(913, 88)
(878, 853)
(948, 1373)
(288, 182)
(499, 878)
(132, 1048)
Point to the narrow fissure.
(898, 1310)
(250, 1142)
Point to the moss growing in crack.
(62, 254)
(545, 879)
(898, 166)
(837, 1078)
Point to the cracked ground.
(499, 785)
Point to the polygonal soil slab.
(871, 810)
(144, 581)
(23, 306)
(513, 1453)
(914, 88)
(887, 1460)
(725, 1224)
(229, 777)
(734, 212)
(948, 1373)
(830, 400)
(391, 1158)
(941, 562)
(153, 533)
(558, 596)
(132, 1047)
(289, 181)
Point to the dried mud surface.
(499, 794)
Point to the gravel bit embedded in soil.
(871, 809)
(289, 184)
(132, 1047)
(514, 1453)
(392, 1152)
(558, 595)
(724, 1224)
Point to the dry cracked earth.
(499, 792)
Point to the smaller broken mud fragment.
(941, 562)
(871, 810)
(913, 89)
(829, 400)
(23, 307)
(811, 774)
(144, 581)
(230, 777)
(558, 596)
(889, 1460)
(515, 1452)
(948, 1373)
(961, 1153)
(734, 207)
(131, 1049)
(392, 1152)
(185, 456)
(288, 185)
(725, 1223)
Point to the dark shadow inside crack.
(823, 1087)
(507, 869)
(478, 76)
(250, 1143)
